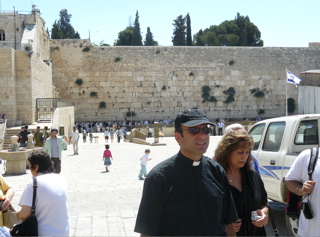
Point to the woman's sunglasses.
(196, 130)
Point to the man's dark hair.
(54, 129)
(107, 147)
(42, 159)
(26, 127)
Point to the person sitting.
(248, 192)
(51, 202)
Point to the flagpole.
(286, 93)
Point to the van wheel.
(292, 226)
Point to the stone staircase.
(140, 141)
(7, 140)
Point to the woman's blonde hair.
(230, 142)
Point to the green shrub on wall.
(257, 93)
(205, 93)
(261, 111)
(79, 82)
(291, 105)
(86, 49)
(93, 94)
(229, 99)
(130, 113)
(102, 105)
(117, 59)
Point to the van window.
(256, 133)
(307, 133)
(273, 138)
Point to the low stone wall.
(64, 117)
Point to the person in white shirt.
(74, 138)
(51, 201)
(144, 160)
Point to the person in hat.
(187, 194)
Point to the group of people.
(191, 194)
(39, 137)
(187, 194)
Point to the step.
(140, 141)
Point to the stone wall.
(8, 85)
(159, 82)
(24, 77)
(64, 116)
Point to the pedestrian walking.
(90, 137)
(107, 157)
(84, 136)
(74, 138)
(111, 134)
(143, 163)
(106, 135)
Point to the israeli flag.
(291, 78)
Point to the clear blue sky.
(283, 23)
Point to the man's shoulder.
(164, 166)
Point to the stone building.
(25, 68)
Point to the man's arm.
(297, 188)
(230, 230)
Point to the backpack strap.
(313, 161)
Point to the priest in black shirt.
(187, 194)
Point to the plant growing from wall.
(149, 102)
(130, 114)
(291, 105)
(231, 62)
(117, 59)
(158, 51)
(257, 92)
(93, 94)
(86, 49)
(164, 87)
(205, 93)
(230, 92)
(191, 74)
(102, 105)
(261, 111)
(213, 99)
(79, 82)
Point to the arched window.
(2, 35)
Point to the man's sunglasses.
(196, 130)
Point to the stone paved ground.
(100, 203)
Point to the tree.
(63, 28)
(179, 32)
(125, 37)
(189, 39)
(149, 39)
(136, 38)
(237, 32)
(55, 31)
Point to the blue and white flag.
(291, 78)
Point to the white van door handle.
(272, 162)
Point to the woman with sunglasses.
(248, 192)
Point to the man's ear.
(178, 137)
(36, 168)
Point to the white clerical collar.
(196, 163)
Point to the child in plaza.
(144, 159)
(107, 157)
(91, 136)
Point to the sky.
(282, 23)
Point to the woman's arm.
(24, 213)
(7, 198)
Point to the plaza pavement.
(100, 203)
